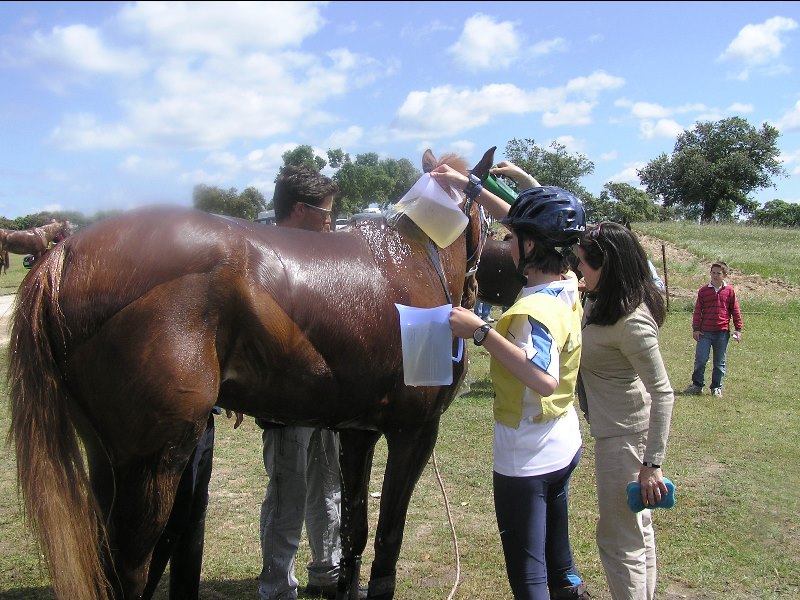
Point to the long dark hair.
(626, 280)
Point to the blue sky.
(107, 105)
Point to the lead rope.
(452, 528)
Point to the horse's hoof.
(381, 588)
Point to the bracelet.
(651, 465)
(474, 187)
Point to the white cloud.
(460, 147)
(82, 131)
(222, 28)
(569, 113)
(628, 174)
(611, 155)
(446, 110)
(791, 120)
(81, 48)
(663, 128)
(759, 45)
(546, 47)
(791, 160)
(135, 164)
(739, 108)
(486, 44)
(591, 85)
(571, 143)
(345, 138)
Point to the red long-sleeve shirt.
(713, 309)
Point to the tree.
(229, 202)
(624, 203)
(558, 167)
(303, 155)
(371, 179)
(777, 213)
(551, 167)
(715, 166)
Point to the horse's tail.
(59, 506)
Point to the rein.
(433, 250)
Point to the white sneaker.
(716, 392)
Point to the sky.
(113, 105)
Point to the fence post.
(666, 280)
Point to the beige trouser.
(625, 539)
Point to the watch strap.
(474, 187)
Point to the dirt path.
(743, 283)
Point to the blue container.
(635, 496)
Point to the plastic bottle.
(499, 188)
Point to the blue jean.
(304, 486)
(534, 528)
(482, 309)
(718, 341)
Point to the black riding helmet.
(548, 213)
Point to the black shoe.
(329, 591)
(573, 592)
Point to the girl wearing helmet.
(535, 352)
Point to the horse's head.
(55, 231)
(478, 227)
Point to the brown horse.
(497, 280)
(34, 241)
(126, 351)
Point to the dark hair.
(626, 280)
(544, 257)
(300, 184)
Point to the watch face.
(480, 334)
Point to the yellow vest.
(564, 324)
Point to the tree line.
(709, 177)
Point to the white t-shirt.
(538, 448)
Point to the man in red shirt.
(716, 304)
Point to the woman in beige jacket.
(629, 401)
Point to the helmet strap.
(523, 260)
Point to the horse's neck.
(50, 230)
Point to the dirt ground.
(6, 304)
(743, 284)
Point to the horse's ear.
(428, 161)
(482, 168)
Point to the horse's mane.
(455, 161)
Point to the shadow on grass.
(29, 593)
(478, 389)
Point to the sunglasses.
(324, 211)
(594, 233)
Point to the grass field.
(734, 532)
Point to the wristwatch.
(479, 335)
(474, 187)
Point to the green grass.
(764, 251)
(733, 533)
(9, 281)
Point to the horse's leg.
(408, 454)
(357, 448)
(149, 408)
(136, 515)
